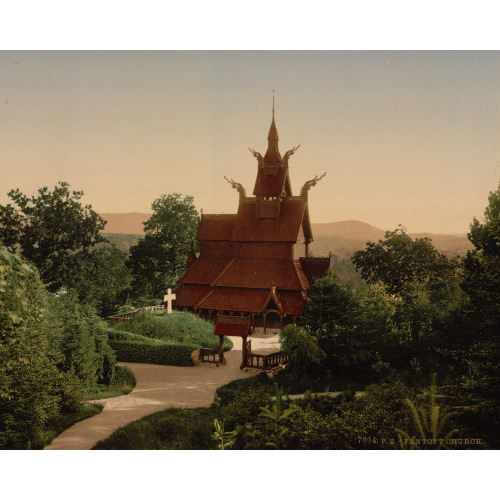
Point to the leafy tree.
(150, 268)
(101, 278)
(478, 389)
(158, 260)
(51, 230)
(482, 267)
(398, 261)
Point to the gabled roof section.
(235, 299)
(256, 273)
(190, 295)
(216, 227)
(273, 297)
(248, 227)
(205, 270)
(315, 267)
(232, 326)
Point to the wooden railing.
(265, 361)
(212, 356)
(122, 317)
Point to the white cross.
(169, 298)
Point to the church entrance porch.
(269, 358)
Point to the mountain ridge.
(132, 223)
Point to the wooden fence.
(265, 361)
(122, 317)
(212, 356)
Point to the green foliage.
(429, 424)
(158, 354)
(477, 357)
(101, 278)
(304, 355)
(51, 230)
(29, 379)
(482, 268)
(332, 317)
(124, 382)
(151, 269)
(63, 421)
(159, 259)
(332, 304)
(225, 439)
(278, 419)
(398, 261)
(82, 340)
(241, 403)
(172, 429)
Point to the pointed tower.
(273, 157)
(273, 182)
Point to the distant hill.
(340, 238)
(351, 229)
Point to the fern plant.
(430, 426)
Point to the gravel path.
(159, 387)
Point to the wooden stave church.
(255, 263)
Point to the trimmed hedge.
(157, 354)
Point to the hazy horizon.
(407, 138)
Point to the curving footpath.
(158, 387)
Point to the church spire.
(273, 154)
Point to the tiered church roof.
(255, 261)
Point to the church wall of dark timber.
(217, 248)
(265, 250)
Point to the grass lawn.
(177, 328)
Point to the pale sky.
(406, 138)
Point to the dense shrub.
(158, 354)
(171, 429)
(29, 395)
(82, 339)
(124, 376)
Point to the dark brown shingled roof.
(284, 228)
(232, 326)
(236, 299)
(257, 273)
(205, 270)
(216, 227)
(315, 267)
(292, 302)
(190, 295)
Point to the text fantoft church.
(255, 263)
